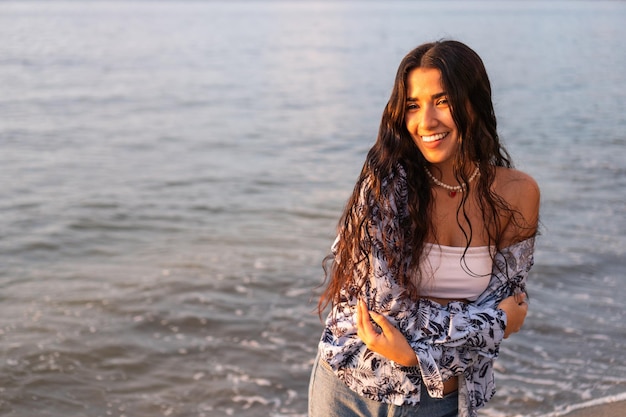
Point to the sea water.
(172, 173)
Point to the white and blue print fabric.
(456, 340)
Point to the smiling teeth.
(433, 138)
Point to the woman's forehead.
(424, 82)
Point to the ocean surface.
(172, 173)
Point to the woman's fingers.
(389, 342)
(365, 329)
(520, 297)
(516, 309)
(364, 323)
(382, 321)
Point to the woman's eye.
(442, 102)
(412, 106)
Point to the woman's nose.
(429, 118)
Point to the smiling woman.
(170, 186)
(424, 285)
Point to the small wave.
(37, 246)
(587, 404)
(99, 205)
(208, 209)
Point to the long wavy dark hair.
(467, 85)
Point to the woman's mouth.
(434, 138)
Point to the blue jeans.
(330, 397)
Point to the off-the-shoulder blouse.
(456, 340)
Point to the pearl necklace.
(452, 189)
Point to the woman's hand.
(516, 309)
(390, 342)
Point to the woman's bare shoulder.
(513, 184)
(521, 192)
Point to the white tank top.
(446, 275)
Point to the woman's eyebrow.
(433, 97)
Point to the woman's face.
(428, 116)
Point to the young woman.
(429, 267)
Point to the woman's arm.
(392, 344)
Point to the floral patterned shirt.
(456, 340)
